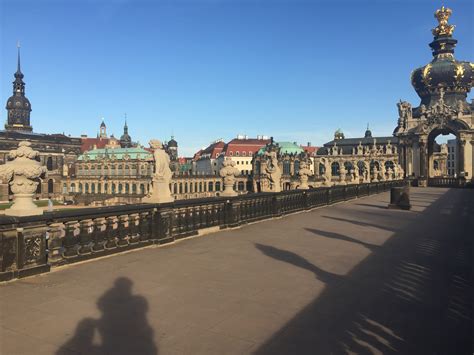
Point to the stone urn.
(20, 173)
(304, 174)
(228, 173)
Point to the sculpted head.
(156, 144)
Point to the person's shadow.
(122, 329)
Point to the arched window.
(186, 187)
(49, 163)
(50, 186)
(175, 188)
(200, 187)
(180, 187)
(127, 188)
(92, 188)
(348, 165)
(322, 169)
(106, 188)
(64, 188)
(211, 186)
(72, 188)
(218, 186)
(120, 188)
(286, 167)
(99, 188)
(361, 166)
(120, 170)
(297, 166)
(241, 186)
(142, 189)
(86, 188)
(80, 188)
(134, 189)
(127, 170)
(114, 188)
(335, 169)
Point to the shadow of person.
(122, 329)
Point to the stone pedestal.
(23, 206)
(400, 198)
(160, 192)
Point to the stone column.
(461, 151)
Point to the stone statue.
(375, 177)
(160, 189)
(304, 173)
(360, 149)
(389, 174)
(273, 171)
(405, 110)
(228, 173)
(21, 173)
(343, 174)
(460, 107)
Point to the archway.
(443, 154)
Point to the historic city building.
(442, 85)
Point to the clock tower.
(18, 106)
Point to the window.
(231, 153)
(237, 154)
(244, 154)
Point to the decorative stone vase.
(304, 174)
(20, 173)
(228, 173)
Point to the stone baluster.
(111, 233)
(100, 226)
(56, 234)
(85, 240)
(144, 226)
(70, 241)
(134, 228)
(123, 233)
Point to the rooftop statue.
(273, 171)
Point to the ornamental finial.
(443, 28)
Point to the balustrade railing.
(31, 245)
(446, 182)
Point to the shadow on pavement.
(122, 329)
(338, 236)
(296, 260)
(412, 295)
(360, 223)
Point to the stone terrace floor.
(353, 278)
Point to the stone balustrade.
(34, 244)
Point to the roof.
(244, 145)
(310, 149)
(213, 150)
(117, 153)
(91, 143)
(285, 148)
(347, 144)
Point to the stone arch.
(335, 168)
(49, 163)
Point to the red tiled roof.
(251, 145)
(310, 149)
(213, 150)
(90, 143)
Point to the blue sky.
(208, 69)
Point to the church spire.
(18, 106)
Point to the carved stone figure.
(160, 189)
(228, 173)
(273, 171)
(21, 173)
(343, 174)
(304, 173)
(389, 174)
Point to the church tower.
(103, 130)
(18, 106)
(125, 139)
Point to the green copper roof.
(285, 148)
(117, 154)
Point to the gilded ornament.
(459, 72)
(443, 28)
(425, 75)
